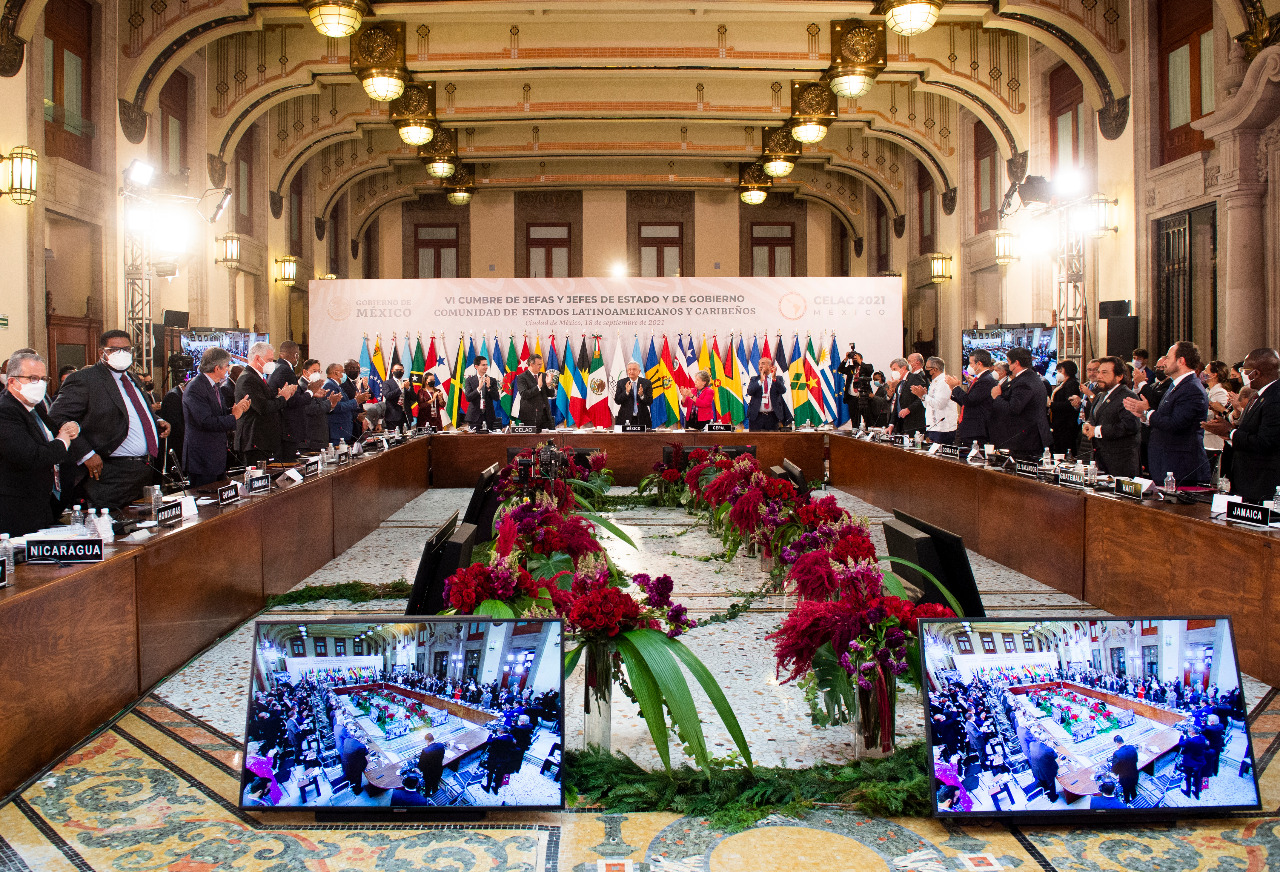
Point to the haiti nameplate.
(67, 550)
(634, 428)
(1129, 488)
(228, 494)
(719, 428)
(1249, 513)
(169, 513)
(311, 467)
(259, 484)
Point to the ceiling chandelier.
(752, 182)
(857, 57)
(337, 19)
(378, 60)
(911, 17)
(439, 155)
(778, 151)
(813, 108)
(414, 113)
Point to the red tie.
(132, 394)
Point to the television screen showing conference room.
(1041, 718)
(402, 713)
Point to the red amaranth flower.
(855, 545)
(807, 628)
(813, 576)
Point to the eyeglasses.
(29, 379)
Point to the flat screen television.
(484, 503)
(427, 595)
(1040, 340)
(953, 559)
(236, 342)
(371, 717)
(1115, 717)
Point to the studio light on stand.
(213, 203)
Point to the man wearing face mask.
(120, 432)
(31, 448)
(1255, 438)
(353, 384)
(393, 397)
(342, 414)
(315, 417)
(258, 430)
(974, 399)
(208, 420)
(293, 430)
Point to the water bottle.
(1079, 470)
(6, 554)
(157, 500)
(1046, 459)
(105, 528)
(1091, 474)
(1224, 485)
(919, 439)
(248, 474)
(77, 521)
(1170, 483)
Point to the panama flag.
(731, 388)
(553, 362)
(444, 377)
(564, 390)
(598, 391)
(670, 374)
(578, 399)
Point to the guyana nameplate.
(343, 457)
(169, 513)
(228, 494)
(67, 550)
(1249, 513)
(259, 484)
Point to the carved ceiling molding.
(1262, 31)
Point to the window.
(661, 249)
(771, 249)
(964, 644)
(1117, 661)
(548, 247)
(986, 179)
(1009, 646)
(68, 81)
(243, 181)
(321, 650)
(924, 199)
(339, 647)
(173, 125)
(1186, 75)
(475, 631)
(1028, 643)
(357, 647)
(988, 643)
(437, 247)
(1066, 105)
(1149, 628)
(297, 647)
(882, 237)
(471, 666)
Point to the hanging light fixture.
(459, 186)
(1006, 246)
(778, 151)
(752, 182)
(20, 175)
(813, 108)
(439, 155)
(858, 54)
(910, 17)
(337, 19)
(939, 267)
(378, 59)
(414, 113)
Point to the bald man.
(1255, 440)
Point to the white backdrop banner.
(866, 311)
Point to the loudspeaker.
(1114, 309)
(174, 318)
(1122, 336)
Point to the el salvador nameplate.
(523, 429)
(1028, 468)
(169, 513)
(67, 550)
(311, 467)
(228, 494)
(719, 428)
(1249, 513)
(259, 484)
(634, 428)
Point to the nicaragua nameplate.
(1028, 468)
(311, 467)
(634, 428)
(1249, 513)
(523, 429)
(228, 494)
(259, 484)
(1127, 488)
(67, 550)
(719, 428)
(169, 513)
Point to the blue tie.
(635, 398)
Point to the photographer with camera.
(857, 387)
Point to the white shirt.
(941, 414)
(1217, 394)
(135, 442)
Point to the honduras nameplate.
(311, 467)
(523, 429)
(169, 513)
(719, 428)
(1249, 513)
(259, 484)
(1029, 468)
(634, 428)
(67, 550)
(228, 494)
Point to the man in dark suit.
(633, 395)
(1216, 735)
(355, 757)
(208, 421)
(30, 449)
(906, 410)
(1195, 755)
(857, 387)
(121, 434)
(1124, 763)
(1255, 441)
(410, 794)
(974, 399)
(1177, 439)
(1022, 407)
(1110, 428)
(171, 411)
(1043, 759)
(341, 415)
(765, 413)
(1106, 798)
(393, 397)
(293, 415)
(483, 393)
(258, 430)
(535, 388)
(228, 386)
(431, 765)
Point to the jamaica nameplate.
(1249, 513)
(259, 484)
(67, 550)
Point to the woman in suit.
(699, 402)
(1064, 418)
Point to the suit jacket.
(1118, 451)
(534, 408)
(171, 411)
(903, 398)
(1255, 448)
(293, 424)
(1064, 418)
(1022, 408)
(393, 396)
(27, 460)
(975, 408)
(643, 399)
(1177, 440)
(261, 427)
(1124, 763)
(431, 765)
(492, 392)
(91, 398)
(857, 379)
(204, 447)
(777, 399)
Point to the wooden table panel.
(457, 459)
(301, 517)
(870, 472)
(1032, 527)
(69, 660)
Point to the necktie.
(132, 394)
(635, 398)
(767, 406)
(483, 385)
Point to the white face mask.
(315, 377)
(33, 393)
(120, 359)
(1244, 379)
(269, 367)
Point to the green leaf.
(893, 584)
(951, 600)
(592, 486)
(839, 695)
(495, 609)
(713, 691)
(648, 696)
(549, 568)
(571, 659)
(675, 690)
(608, 525)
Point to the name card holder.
(259, 484)
(169, 514)
(634, 428)
(311, 467)
(719, 428)
(343, 457)
(1071, 479)
(426, 430)
(1131, 488)
(523, 429)
(67, 550)
(228, 494)
(1027, 468)
(952, 451)
(1249, 513)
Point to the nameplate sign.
(1072, 479)
(426, 430)
(1028, 468)
(311, 467)
(169, 513)
(634, 428)
(719, 428)
(228, 494)
(952, 451)
(259, 484)
(1249, 513)
(523, 429)
(343, 457)
(67, 550)
(1129, 488)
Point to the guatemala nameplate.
(259, 484)
(228, 494)
(1249, 513)
(169, 513)
(67, 550)
(1072, 479)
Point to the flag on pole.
(578, 369)
(780, 354)
(564, 390)
(714, 366)
(395, 353)
(407, 360)
(597, 391)
(510, 369)
(379, 362)
(745, 368)
(795, 375)
(670, 374)
(808, 396)
(637, 352)
(658, 380)
(419, 365)
(366, 363)
(500, 373)
(444, 376)
(731, 388)
(830, 399)
(524, 354)
(617, 373)
(537, 349)
(704, 357)
(457, 405)
(837, 382)
(553, 362)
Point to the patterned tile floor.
(157, 789)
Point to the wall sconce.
(939, 267)
(858, 54)
(778, 151)
(337, 18)
(910, 17)
(414, 113)
(752, 183)
(378, 59)
(1006, 246)
(286, 268)
(1098, 216)
(229, 250)
(20, 175)
(813, 108)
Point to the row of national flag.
(584, 396)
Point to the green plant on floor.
(351, 591)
